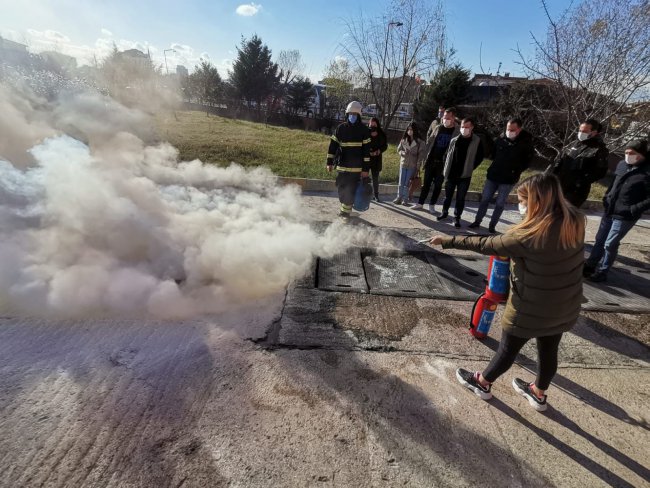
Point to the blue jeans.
(610, 234)
(405, 175)
(489, 190)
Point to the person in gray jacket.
(464, 154)
(546, 251)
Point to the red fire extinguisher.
(496, 291)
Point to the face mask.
(511, 134)
(447, 123)
(583, 136)
(352, 118)
(631, 158)
(465, 132)
(522, 209)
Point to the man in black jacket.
(439, 136)
(625, 201)
(350, 147)
(582, 163)
(513, 151)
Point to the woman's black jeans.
(510, 346)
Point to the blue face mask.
(352, 118)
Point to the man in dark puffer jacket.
(582, 163)
(625, 201)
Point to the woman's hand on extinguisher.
(435, 240)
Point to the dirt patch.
(387, 317)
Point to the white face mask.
(583, 136)
(511, 134)
(522, 209)
(447, 123)
(465, 132)
(631, 158)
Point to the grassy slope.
(287, 152)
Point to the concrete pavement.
(323, 389)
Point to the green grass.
(287, 152)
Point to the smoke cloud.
(105, 224)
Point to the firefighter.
(349, 152)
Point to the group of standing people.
(546, 248)
(451, 151)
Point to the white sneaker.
(416, 206)
(431, 208)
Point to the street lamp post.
(165, 55)
(387, 67)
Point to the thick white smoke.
(119, 227)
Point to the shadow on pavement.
(589, 397)
(398, 415)
(594, 467)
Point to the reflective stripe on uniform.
(366, 141)
(346, 208)
(335, 139)
(348, 170)
(351, 144)
(330, 156)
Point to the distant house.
(56, 61)
(13, 52)
(485, 88)
(410, 84)
(135, 57)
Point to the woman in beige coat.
(547, 255)
(411, 151)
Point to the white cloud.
(107, 33)
(48, 36)
(247, 10)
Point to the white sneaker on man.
(416, 206)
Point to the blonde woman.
(547, 256)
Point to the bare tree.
(392, 51)
(291, 65)
(595, 63)
(340, 80)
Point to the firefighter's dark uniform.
(349, 150)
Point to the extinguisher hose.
(471, 317)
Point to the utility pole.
(165, 55)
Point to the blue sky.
(212, 29)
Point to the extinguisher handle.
(471, 317)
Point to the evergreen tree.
(205, 83)
(254, 76)
(299, 93)
(448, 88)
